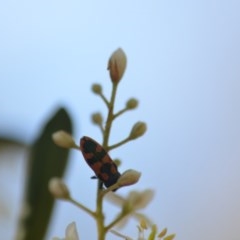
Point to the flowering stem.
(99, 213)
(110, 116)
(99, 204)
(87, 210)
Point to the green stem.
(87, 210)
(120, 235)
(110, 116)
(116, 220)
(102, 129)
(118, 144)
(106, 132)
(120, 112)
(104, 99)
(111, 188)
(100, 217)
(99, 201)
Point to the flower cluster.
(105, 168)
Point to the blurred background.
(183, 67)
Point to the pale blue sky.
(183, 66)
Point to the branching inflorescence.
(106, 169)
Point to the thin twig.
(118, 144)
(87, 210)
(119, 113)
(104, 99)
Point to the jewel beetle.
(99, 161)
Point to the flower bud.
(143, 224)
(63, 139)
(138, 200)
(117, 161)
(117, 65)
(129, 177)
(170, 237)
(138, 130)
(58, 188)
(97, 88)
(132, 103)
(71, 232)
(97, 118)
(153, 232)
(162, 233)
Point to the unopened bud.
(170, 237)
(97, 118)
(153, 232)
(97, 88)
(63, 139)
(162, 233)
(117, 65)
(58, 188)
(138, 130)
(129, 177)
(132, 103)
(117, 161)
(143, 224)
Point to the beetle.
(99, 161)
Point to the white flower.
(58, 188)
(133, 202)
(139, 200)
(70, 233)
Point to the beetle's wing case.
(99, 161)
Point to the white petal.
(71, 232)
(115, 198)
(136, 199)
(140, 200)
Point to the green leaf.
(46, 161)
